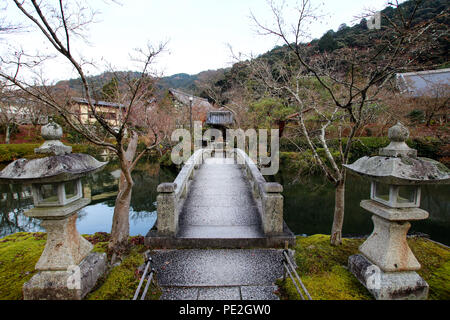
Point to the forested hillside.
(357, 36)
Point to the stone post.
(67, 268)
(386, 266)
(272, 208)
(167, 221)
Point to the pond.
(309, 207)
(308, 204)
(97, 216)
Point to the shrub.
(428, 147)
(11, 152)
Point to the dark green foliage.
(166, 161)
(13, 129)
(357, 36)
(11, 152)
(268, 111)
(416, 116)
(110, 90)
(180, 81)
(428, 147)
(327, 42)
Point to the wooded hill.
(357, 36)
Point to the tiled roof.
(184, 99)
(424, 82)
(99, 103)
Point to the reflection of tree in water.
(81, 214)
(435, 200)
(147, 176)
(309, 205)
(14, 201)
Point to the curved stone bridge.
(220, 202)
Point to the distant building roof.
(423, 82)
(220, 117)
(183, 98)
(99, 103)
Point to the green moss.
(435, 261)
(123, 280)
(337, 284)
(19, 254)
(321, 266)
(315, 254)
(323, 270)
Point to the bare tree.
(341, 86)
(13, 111)
(60, 24)
(436, 103)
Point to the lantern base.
(72, 284)
(388, 285)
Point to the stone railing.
(172, 195)
(266, 194)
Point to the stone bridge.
(220, 199)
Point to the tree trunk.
(121, 222)
(338, 220)
(7, 134)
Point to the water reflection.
(309, 207)
(308, 204)
(102, 187)
(14, 200)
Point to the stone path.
(220, 204)
(219, 207)
(218, 274)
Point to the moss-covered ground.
(20, 252)
(323, 269)
(321, 266)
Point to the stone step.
(220, 243)
(219, 216)
(217, 268)
(220, 232)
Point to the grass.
(323, 270)
(20, 252)
(321, 266)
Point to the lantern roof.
(61, 165)
(399, 165)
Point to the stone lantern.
(386, 265)
(66, 269)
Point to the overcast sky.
(197, 31)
